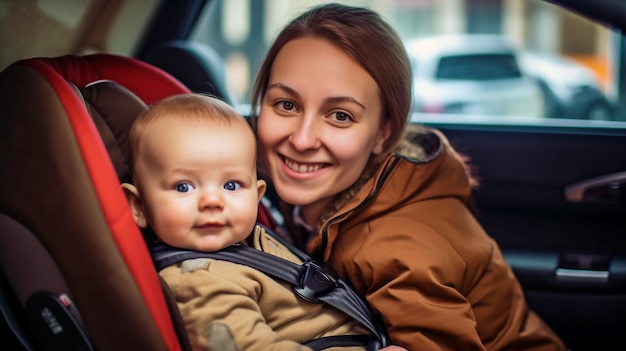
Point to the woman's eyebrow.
(284, 87)
(330, 100)
(336, 99)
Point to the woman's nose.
(307, 134)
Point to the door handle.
(608, 189)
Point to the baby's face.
(198, 183)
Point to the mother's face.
(320, 121)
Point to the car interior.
(75, 271)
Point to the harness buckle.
(315, 281)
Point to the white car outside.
(471, 74)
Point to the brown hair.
(367, 38)
(186, 107)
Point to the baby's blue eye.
(183, 187)
(232, 186)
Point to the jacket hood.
(424, 166)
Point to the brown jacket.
(261, 313)
(408, 243)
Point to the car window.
(567, 67)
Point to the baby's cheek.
(171, 220)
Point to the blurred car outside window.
(471, 74)
(570, 89)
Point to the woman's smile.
(303, 167)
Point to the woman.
(387, 209)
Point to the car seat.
(75, 270)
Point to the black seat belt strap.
(326, 342)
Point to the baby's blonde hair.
(189, 107)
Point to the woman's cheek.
(269, 132)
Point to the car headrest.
(196, 65)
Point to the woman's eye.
(286, 105)
(342, 117)
(232, 186)
(183, 187)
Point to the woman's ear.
(261, 186)
(136, 205)
(381, 138)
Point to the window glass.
(547, 64)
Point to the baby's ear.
(261, 186)
(136, 206)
